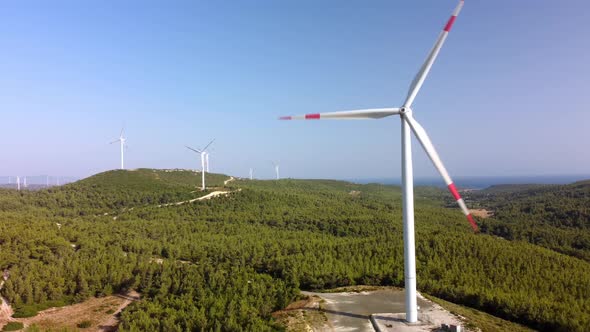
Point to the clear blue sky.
(507, 96)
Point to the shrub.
(13, 326)
(84, 324)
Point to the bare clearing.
(304, 315)
(482, 213)
(100, 312)
(6, 311)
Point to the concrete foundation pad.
(386, 322)
(397, 322)
(362, 311)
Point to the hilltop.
(229, 262)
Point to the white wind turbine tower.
(207, 161)
(251, 173)
(25, 182)
(122, 141)
(277, 166)
(408, 124)
(204, 161)
(17, 182)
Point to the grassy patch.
(84, 324)
(30, 310)
(13, 326)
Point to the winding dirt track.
(6, 311)
(208, 196)
(231, 178)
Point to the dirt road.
(101, 313)
(231, 178)
(6, 311)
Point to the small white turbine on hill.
(277, 166)
(409, 123)
(204, 161)
(251, 173)
(17, 182)
(122, 141)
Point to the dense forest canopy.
(228, 262)
(553, 216)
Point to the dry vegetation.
(303, 315)
(99, 313)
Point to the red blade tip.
(473, 224)
(450, 23)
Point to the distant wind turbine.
(204, 161)
(122, 141)
(409, 125)
(251, 173)
(17, 182)
(25, 182)
(277, 166)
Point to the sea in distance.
(482, 182)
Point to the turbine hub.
(405, 110)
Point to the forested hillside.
(553, 216)
(227, 263)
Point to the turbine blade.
(205, 148)
(122, 130)
(375, 113)
(115, 141)
(421, 76)
(195, 150)
(440, 167)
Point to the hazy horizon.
(476, 182)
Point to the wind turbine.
(204, 161)
(25, 182)
(408, 124)
(122, 140)
(17, 182)
(251, 173)
(277, 166)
